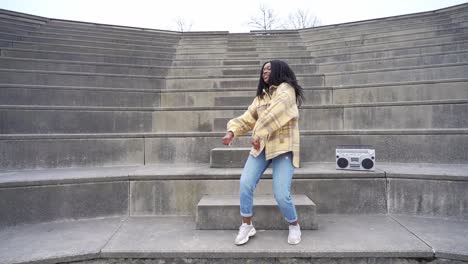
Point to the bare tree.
(183, 25)
(301, 19)
(266, 20)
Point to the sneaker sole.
(251, 234)
(291, 243)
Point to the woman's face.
(266, 72)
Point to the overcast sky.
(215, 15)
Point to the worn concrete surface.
(340, 237)
(448, 237)
(221, 212)
(56, 241)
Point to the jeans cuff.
(246, 215)
(291, 221)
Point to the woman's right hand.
(228, 138)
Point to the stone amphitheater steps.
(98, 38)
(252, 55)
(13, 23)
(87, 36)
(6, 26)
(85, 57)
(384, 25)
(14, 94)
(391, 52)
(100, 28)
(181, 186)
(404, 74)
(396, 62)
(103, 30)
(25, 151)
(88, 49)
(315, 36)
(456, 33)
(409, 91)
(182, 71)
(221, 212)
(404, 115)
(78, 96)
(429, 42)
(143, 47)
(382, 238)
(54, 78)
(85, 40)
(227, 82)
(79, 66)
(239, 61)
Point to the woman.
(273, 119)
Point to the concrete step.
(175, 238)
(204, 49)
(101, 29)
(346, 43)
(20, 151)
(221, 212)
(407, 74)
(84, 57)
(358, 94)
(107, 39)
(392, 45)
(94, 36)
(5, 36)
(229, 157)
(73, 66)
(6, 20)
(394, 115)
(40, 195)
(23, 17)
(55, 78)
(385, 30)
(396, 62)
(14, 25)
(156, 47)
(404, 33)
(79, 120)
(234, 70)
(90, 49)
(142, 98)
(238, 47)
(240, 81)
(314, 96)
(386, 24)
(245, 56)
(239, 62)
(78, 96)
(401, 92)
(389, 53)
(4, 29)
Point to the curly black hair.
(280, 73)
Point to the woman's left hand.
(256, 144)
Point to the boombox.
(355, 157)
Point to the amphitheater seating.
(110, 143)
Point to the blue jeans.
(283, 171)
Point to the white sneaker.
(294, 236)
(245, 232)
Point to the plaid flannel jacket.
(274, 120)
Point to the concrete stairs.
(221, 212)
(117, 130)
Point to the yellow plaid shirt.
(274, 120)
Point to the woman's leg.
(283, 171)
(253, 171)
